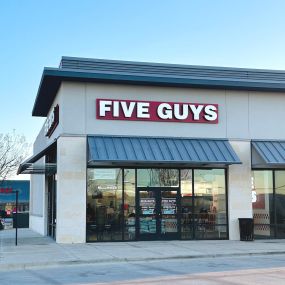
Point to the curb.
(10, 267)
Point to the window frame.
(226, 171)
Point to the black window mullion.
(137, 225)
(178, 201)
(123, 204)
(226, 175)
(193, 207)
(274, 204)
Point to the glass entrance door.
(158, 215)
(169, 214)
(51, 231)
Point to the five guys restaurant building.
(147, 151)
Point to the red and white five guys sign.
(109, 109)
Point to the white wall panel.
(237, 114)
(267, 115)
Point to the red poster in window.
(260, 202)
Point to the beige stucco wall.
(38, 201)
(242, 114)
(239, 188)
(71, 190)
(38, 186)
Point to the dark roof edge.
(52, 78)
(226, 68)
(267, 140)
(38, 94)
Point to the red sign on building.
(109, 109)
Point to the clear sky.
(34, 34)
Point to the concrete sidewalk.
(34, 250)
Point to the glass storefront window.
(156, 205)
(210, 210)
(104, 204)
(130, 203)
(207, 217)
(186, 204)
(152, 177)
(262, 203)
(280, 202)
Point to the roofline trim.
(162, 64)
(53, 77)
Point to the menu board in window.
(168, 206)
(147, 206)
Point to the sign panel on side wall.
(52, 121)
(109, 109)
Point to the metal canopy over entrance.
(121, 150)
(268, 154)
(36, 168)
(32, 166)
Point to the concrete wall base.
(37, 224)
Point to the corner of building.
(71, 189)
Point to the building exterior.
(146, 151)
(8, 189)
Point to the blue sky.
(34, 34)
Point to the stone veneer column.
(239, 188)
(71, 190)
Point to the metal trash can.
(22, 220)
(246, 229)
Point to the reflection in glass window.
(262, 203)
(104, 204)
(147, 215)
(112, 213)
(129, 204)
(158, 177)
(169, 212)
(186, 204)
(210, 203)
(280, 202)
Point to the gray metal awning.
(121, 150)
(268, 153)
(38, 168)
(32, 166)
